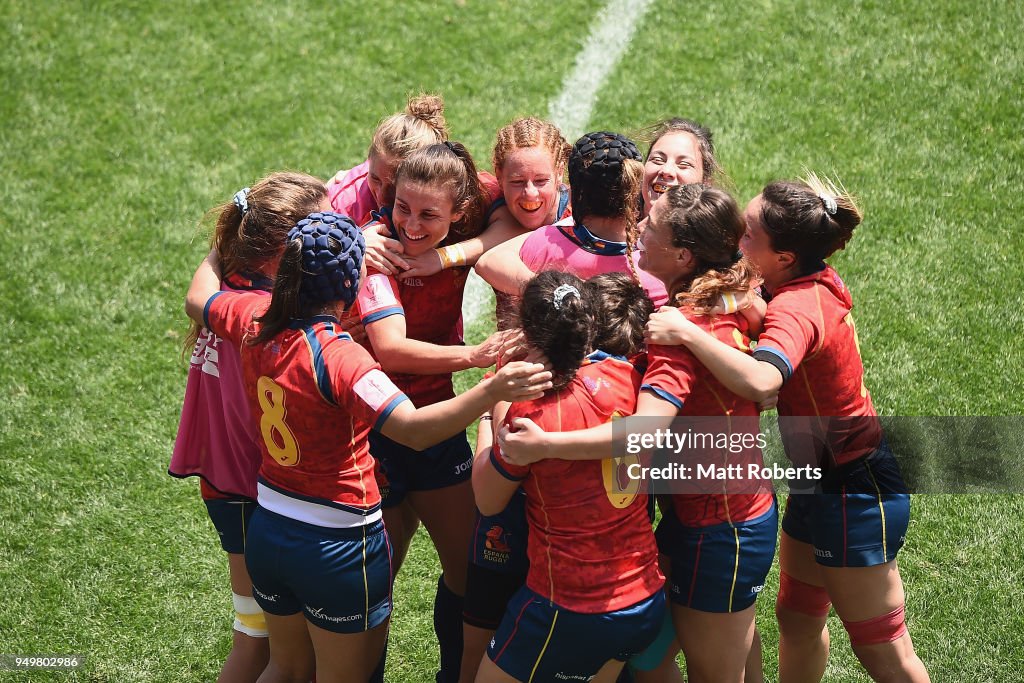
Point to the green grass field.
(123, 122)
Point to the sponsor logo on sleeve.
(374, 389)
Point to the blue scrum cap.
(332, 254)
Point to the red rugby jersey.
(675, 375)
(591, 549)
(432, 307)
(810, 337)
(314, 395)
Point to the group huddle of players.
(321, 417)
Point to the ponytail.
(811, 218)
(632, 194)
(707, 221)
(251, 228)
(285, 303)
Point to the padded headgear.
(332, 256)
(599, 157)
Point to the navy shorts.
(541, 641)
(860, 517)
(720, 568)
(339, 578)
(401, 469)
(230, 517)
(651, 658)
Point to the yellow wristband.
(729, 302)
(451, 256)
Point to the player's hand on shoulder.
(355, 329)
(424, 265)
(515, 347)
(667, 326)
(521, 442)
(382, 252)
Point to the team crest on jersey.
(594, 385)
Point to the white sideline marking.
(609, 37)
(610, 33)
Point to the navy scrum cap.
(332, 254)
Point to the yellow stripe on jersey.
(728, 421)
(543, 649)
(736, 567)
(881, 511)
(366, 586)
(241, 511)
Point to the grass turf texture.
(122, 123)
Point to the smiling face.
(658, 256)
(529, 181)
(675, 159)
(380, 177)
(422, 214)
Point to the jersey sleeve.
(791, 331)
(671, 373)
(507, 470)
(378, 298)
(229, 314)
(351, 196)
(529, 409)
(360, 386)
(533, 253)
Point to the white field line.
(610, 33)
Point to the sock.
(448, 627)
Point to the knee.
(878, 630)
(801, 608)
(249, 618)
